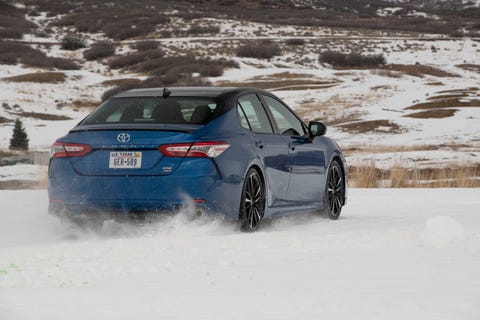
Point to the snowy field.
(393, 254)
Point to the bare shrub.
(166, 71)
(42, 61)
(259, 50)
(196, 29)
(134, 58)
(124, 30)
(123, 21)
(13, 52)
(10, 33)
(353, 59)
(214, 70)
(62, 63)
(295, 42)
(145, 45)
(12, 22)
(99, 50)
(39, 77)
(72, 42)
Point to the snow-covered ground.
(393, 254)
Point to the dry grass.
(432, 114)
(418, 70)
(364, 176)
(379, 126)
(470, 90)
(470, 67)
(445, 103)
(448, 96)
(39, 77)
(398, 176)
(375, 149)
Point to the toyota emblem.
(123, 137)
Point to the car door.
(307, 158)
(271, 148)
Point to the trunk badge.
(123, 137)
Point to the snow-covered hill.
(393, 254)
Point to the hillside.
(416, 108)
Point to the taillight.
(60, 149)
(210, 149)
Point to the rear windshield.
(172, 110)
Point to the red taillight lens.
(210, 149)
(60, 149)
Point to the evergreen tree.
(19, 139)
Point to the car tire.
(252, 206)
(334, 197)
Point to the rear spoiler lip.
(186, 128)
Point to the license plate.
(125, 160)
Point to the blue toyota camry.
(238, 152)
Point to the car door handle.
(259, 144)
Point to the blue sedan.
(238, 152)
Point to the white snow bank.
(442, 231)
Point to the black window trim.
(239, 106)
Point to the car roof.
(210, 92)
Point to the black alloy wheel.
(334, 192)
(252, 206)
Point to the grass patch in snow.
(432, 114)
(5, 120)
(39, 77)
(377, 126)
(418, 70)
(445, 103)
(469, 67)
(351, 60)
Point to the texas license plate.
(125, 160)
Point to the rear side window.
(251, 108)
(173, 110)
(286, 121)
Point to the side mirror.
(316, 129)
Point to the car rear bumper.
(199, 187)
